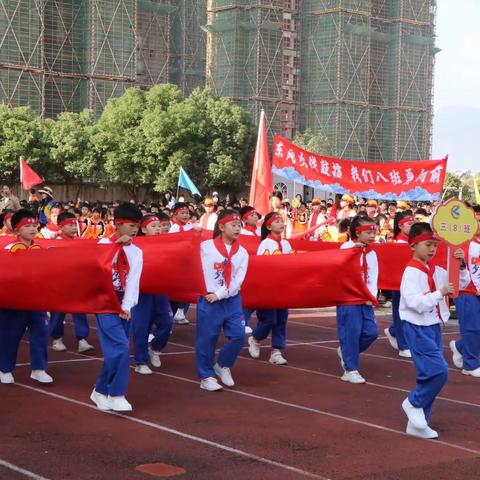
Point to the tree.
(313, 142)
(456, 186)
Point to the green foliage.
(313, 142)
(455, 184)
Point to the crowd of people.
(419, 307)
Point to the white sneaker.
(277, 358)
(405, 353)
(119, 404)
(210, 384)
(58, 345)
(154, 357)
(143, 369)
(456, 355)
(427, 433)
(391, 339)
(473, 373)
(225, 375)
(339, 353)
(248, 330)
(353, 377)
(84, 346)
(150, 337)
(253, 348)
(415, 415)
(41, 376)
(387, 304)
(100, 400)
(6, 377)
(179, 317)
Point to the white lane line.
(181, 434)
(21, 470)
(50, 362)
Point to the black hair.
(358, 221)
(222, 214)
(344, 226)
(421, 211)
(247, 209)
(128, 211)
(179, 205)
(363, 214)
(162, 216)
(418, 229)
(2, 216)
(19, 215)
(64, 216)
(399, 216)
(265, 231)
(476, 208)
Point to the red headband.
(229, 218)
(249, 214)
(272, 219)
(25, 221)
(67, 221)
(180, 209)
(366, 228)
(119, 221)
(148, 221)
(423, 237)
(7, 216)
(406, 220)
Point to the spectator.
(9, 201)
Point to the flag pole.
(178, 183)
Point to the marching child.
(14, 323)
(151, 310)
(271, 320)
(401, 228)
(68, 225)
(356, 324)
(250, 218)
(423, 309)
(224, 264)
(113, 329)
(466, 350)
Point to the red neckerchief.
(314, 217)
(222, 250)
(402, 236)
(431, 282)
(365, 250)
(249, 228)
(121, 266)
(53, 227)
(205, 218)
(29, 247)
(276, 239)
(470, 289)
(181, 225)
(63, 237)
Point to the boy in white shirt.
(422, 310)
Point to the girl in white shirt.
(224, 264)
(272, 320)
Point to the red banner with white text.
(412, 180)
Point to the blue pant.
(13, 325)
(425, 344)
(151, 311)
(247, 315)
(211, 318)
(274, 321)
(468, 311)
(79, 320)
(357, 330)
(176, 305)
(396, 329)
(113, 333)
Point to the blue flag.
(184, 181)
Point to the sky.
(456, 124)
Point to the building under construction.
(359, 71)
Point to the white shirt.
(372, 268)
(212, 259)
(320, 219)
(175, 228)
(270, 247)
(132, 282)
(417, 304)
(474, 263)
(258, 231)
(208, 220)
(49, 234)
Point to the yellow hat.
(372, 203)
(348, 198)
(208, 202)
(316, 201)
(402, 205)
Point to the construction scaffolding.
(66, 55)
(367, 76)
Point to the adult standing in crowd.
(46, 204)
(9, 201)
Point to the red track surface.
(293, 422)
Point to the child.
(466, 350)
(151, 310)
(272, 320)
(68, 231)
(113, 329)
(14, 323)
(401, 228)
(356, 324)
(224, 264)
(422, 309)
(6, 229)
(209, 218)
(250, 218)
(317, 217)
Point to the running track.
(280, 422)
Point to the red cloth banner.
(28, 177)
(413, 180)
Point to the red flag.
(262, 185)
(28, 177)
